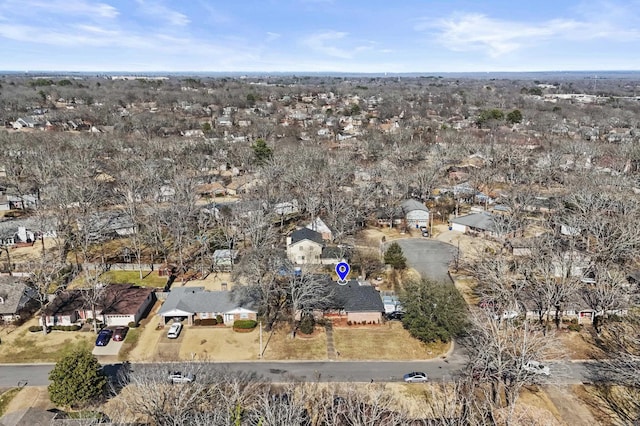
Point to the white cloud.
(62, 7)
(498, 37)
(272, 36)
(332, 43)
(158, 10)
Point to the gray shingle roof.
(354, 297)
(14, 295)
(196, 299)
(484, 221)
(9, 227)
(410, 205)
(306, 234)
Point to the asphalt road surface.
(330, 371)
(431, 258)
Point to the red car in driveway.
(120, 333)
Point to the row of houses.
(357, 301)
(122, 304)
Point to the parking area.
(112, 349)
(431, 258)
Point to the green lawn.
(149, 279)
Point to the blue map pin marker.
(342, 269)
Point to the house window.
(244, 315)
(301, 248)
(301, 257)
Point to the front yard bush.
(245, 324)
(219, 319)
(132, 324)
(574, 327)
(205, 321)
(37, 328)
(307, 324)
(65, 327)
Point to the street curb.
(23, 364)
(288, 361)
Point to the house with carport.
(193, 303)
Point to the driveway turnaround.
(431, 258)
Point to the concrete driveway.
(112, 349)
(431, 258)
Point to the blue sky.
(319, 35)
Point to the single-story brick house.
(120, 304)
(358, 301)
(574, 309)
(196, 303)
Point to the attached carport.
(168, 315)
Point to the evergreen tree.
(395, 257)
(262, 151)
(433, 311)
(514, 117)
(76, 379)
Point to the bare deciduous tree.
(47, 279)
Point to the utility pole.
(431, 230)
(260, 354)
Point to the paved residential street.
(325, 371)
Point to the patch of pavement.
(111, 349)
(431, 258)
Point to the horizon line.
(320, 73)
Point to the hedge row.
(36, 328)
(245, 324)
(206, 321)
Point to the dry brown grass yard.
(218, 344)
(212, 282)
(21, 345)
(389, 341)
(283, 347)
(26, 254)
